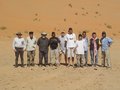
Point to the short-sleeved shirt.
(53, 42)
(86, 43)
(31, 44)
(70, 38)
(43, 44)
(80, 47)
(105, 43)
(62, 43)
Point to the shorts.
(70, 52)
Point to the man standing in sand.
(19, 47)
(105, 45)
(85, 38)
(70, 45)
(54, 49)
(43, 44)
(30, 47)
(94, 47)
(79, 50)
(62, 47)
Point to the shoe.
(16, 66)
(22, 66)
(68, 65)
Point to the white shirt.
(62, 43)
(31, 44)
(86, 43)
(19, 43)
(80, 47)
(71, 39)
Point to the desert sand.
(58, 15)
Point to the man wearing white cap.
(43, 44)
(19, 46)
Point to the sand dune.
(46, 15)
(58, 15)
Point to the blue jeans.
(94, 62)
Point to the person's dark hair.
(31, 32)
(70, 29)
(93, 33)
(53, 33)
(103, 32)
(62, 32)
(84, 32)
(80, 35)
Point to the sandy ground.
(58, 15)
(61, 78)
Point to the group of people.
(66, 44)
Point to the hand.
(33, 46)
(24, 49)
(74, 50)
(109, 45)
(14, 50)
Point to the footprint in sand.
(83, 8)
(36, 14)
(83, 15)
(108, 26)
(70, 5)
(96, 12)
(76, 13)
(76, 23)
(65, 20)
(87, 13)
(54, 29)
(35, 19)
(114, 34)
(3, 28)
(98, 4)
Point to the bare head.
(94, 35)
(84, 34)
(62, 34)
(53, 34)
(31, 34)
(80, 37)
(103, 34)
(70, 31)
